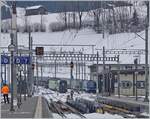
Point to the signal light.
(39, 51)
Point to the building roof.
(36, 10)
(34, 7)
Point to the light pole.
(71, 73)
(136, 92)
(25, 81)
(20, 69)
(146, 99)
(11, 48)
(97, 91)
(136, 73)
(118, 76)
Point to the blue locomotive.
(89, 86)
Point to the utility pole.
(55, 69)
(14, 41)
(29, 67)
(0, 31)
(118, 73)
(25, 81)
(103, 86)
(12, 75)
(41, 72)
(146, 55)
(37, 76)
(97, 74)
(71, 73)
(13, 47)
(79, 70)
(5, 72)
(136, 73)
(19, 87)
(76, 70)
(82, 67)
(2, 73)
(84, 71)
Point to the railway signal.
(39, 51)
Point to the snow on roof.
(34, 7)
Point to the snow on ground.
(83, 37)
(47, 93)
(90, 116)
(145, 114)
(9, 96)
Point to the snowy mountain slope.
(82, 37)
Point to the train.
(89, 86)
(57, 85)
(62, 85)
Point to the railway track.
(56, 108)
(61, 108)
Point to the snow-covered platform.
(33, 107)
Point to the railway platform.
(32, 107)
(126, 101)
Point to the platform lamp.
(71, 73)
(11, 49)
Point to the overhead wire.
(129, 40)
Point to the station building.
(130, 78)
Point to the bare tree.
(63, 17)
(80, 14)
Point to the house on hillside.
(36, 10)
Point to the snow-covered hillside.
(85, 36)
